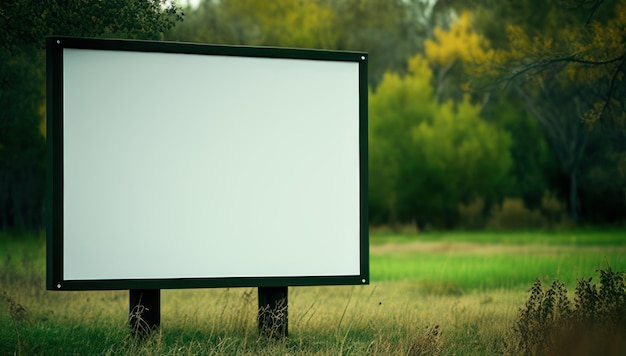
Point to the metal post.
(273, 316)
(145, 311)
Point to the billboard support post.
(273, 312)
(145, 311)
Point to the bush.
(553, 210)
(549, 325)
(472, 214)
(513, 215)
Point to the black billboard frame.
(54, 180)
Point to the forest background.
(483, 113)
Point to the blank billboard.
(185, 165)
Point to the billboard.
(177, 165)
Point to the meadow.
(452, 293)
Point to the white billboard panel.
(224, 166)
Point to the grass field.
(433, 293)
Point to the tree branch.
(568, 59)
(609, 93)
(577, 4)
(593, 11)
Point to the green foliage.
(27, 22)
(420, 146)
(398, 104)
(548, 324)
(389, 30)
(543, 314)
(284, 23)
(437, 148)
(533, 167)
(22, 148)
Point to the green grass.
(582, 237)
(485, 271)
(469, 286)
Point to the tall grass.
(388, 318)
(420, 302)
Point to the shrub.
(513, 215)
(541, 317)
(472, 214)
(553, 210)
(548, 324)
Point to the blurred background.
(484, 114)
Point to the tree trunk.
(574, 200)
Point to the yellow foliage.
(518, 40)
(582, 49)
(460, 42)
(586, 56)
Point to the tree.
(452, 53)
(284, 23)
(426, 156)
(397, 105)
(557, 109)
(450, 50)
(533, 163)
(569, 76)
(561, 72)
(390, 30)
(22, 83)
(593, 55)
